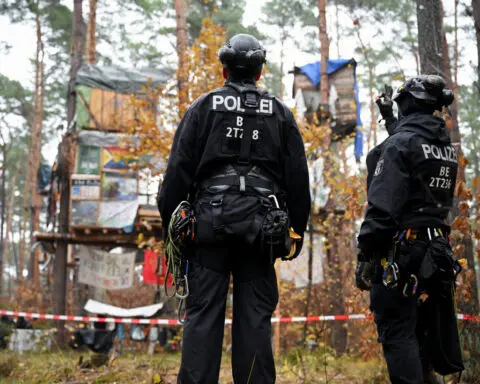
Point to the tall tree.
(64, 170)
(91, 39)
(434, 59)
(476, 19)
(181, 52)
(36, 148)
(430, 37)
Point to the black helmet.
(243, 56)
(428, 89)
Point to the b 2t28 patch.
(233, 132)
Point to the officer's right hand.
(385, 105)
(363, 275)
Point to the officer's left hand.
(298, 248)
(363, 275)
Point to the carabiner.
(413, 282)
(275, 200)
(185, 290)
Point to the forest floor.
(297, 367)
(161, 368)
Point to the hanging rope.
(180, 234)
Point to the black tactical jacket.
(412, 184)
(209, 137)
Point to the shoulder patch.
(379, 168)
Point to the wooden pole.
(2, 221)
(277, 330)
(64, 169)
(181, 51)
(324, 51)
(36, 148)
(91, 40)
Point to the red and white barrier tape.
(86, 319)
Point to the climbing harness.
(181, 232)
(392, 276)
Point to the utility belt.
(245, 207)
(239, 183)
(420, 255)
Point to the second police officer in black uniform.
(404, 254)
(239, 156)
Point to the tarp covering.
(101, 139)
(99, 308)
(312, 70)
(113, 78)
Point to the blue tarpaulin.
(312, 71)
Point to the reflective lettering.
(232, 106)
(239, 103)
(266, 106)
(217, 100)
(239, 121)
(445, 171)
(234, 103)
(426, 150)
(431, 151)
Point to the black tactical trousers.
(255, 296)
(402, 325)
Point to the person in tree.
(405, 258)
(239, 158)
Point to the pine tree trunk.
(25, 215)
(64, 170)
(430, 37)
(308, 296)
(36, 148)
(324, 52)
(3, 212)
(91, 39)
(339, 334)
(373, 123)
(476, 19)
(181, 51)
(9, 220)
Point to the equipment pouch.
(275, 238)
(231, 215)
(439, 264)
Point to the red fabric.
(150, 268)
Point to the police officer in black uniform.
(238, 156)
(403, 238)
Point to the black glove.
(298, 249)
(363, 275)
(363, 272)
(385, 103)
